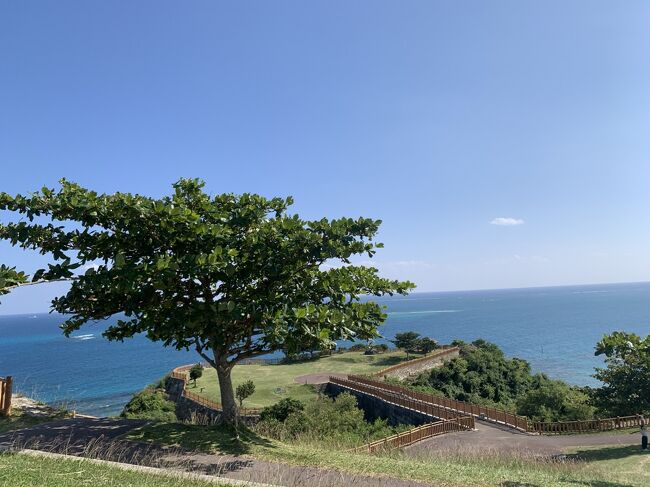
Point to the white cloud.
(506, 221)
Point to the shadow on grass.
(388, 361)
(207, 439)
(593, 483)
(608, 453)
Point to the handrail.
(586, 426)
(414, 435)
(454, 406)
(180, 373)
(6, 385)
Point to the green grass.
(27, 471)
(275, 382)
(627, 459)
(597, 470)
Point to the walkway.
(490, 438)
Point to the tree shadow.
(608, 453)
(207, 439)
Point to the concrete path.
(491, 438)
(99, 438)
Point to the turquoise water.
(555, 329)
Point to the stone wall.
(420, 365)
(375, 408)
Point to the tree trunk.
(228, 402)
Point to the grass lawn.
(27, 471)
(626, 459)
(275, 382)
(597, 470)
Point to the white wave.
(84, 337)
(425, 312)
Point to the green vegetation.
(626, 378)
(150, 403)
(274, 382)
(456, 469)
(244, 391)
(28, 471)
(196, 372)
(324, 421)
(628, 460)
(232, 277)
(483, 375)
(10, 278)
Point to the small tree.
(196, 372)
(626, 378)
(244, 391)
(407, 341)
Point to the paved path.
(492, 438)
(99, 438)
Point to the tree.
(196, 372)
(406, 341)
(244, 391)
(426, 345)
(626, 377)
(231, 276)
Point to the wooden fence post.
(8, 387)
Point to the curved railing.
(436, 354)
(586, 426)
(182, 373)
(452, 407)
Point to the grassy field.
(28, 471)
(597, 467)
(275, 382)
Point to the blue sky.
(437, 117)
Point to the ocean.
(554, 328)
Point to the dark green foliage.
(425, 345)
(626, 377)
(196, 372)
(244, 390)
(358, 347)
(150, 404)
(230, 276)
(331, 421)
(281, 409)
(484, 375)
(406, 341)
(382, 347)
(10, 278)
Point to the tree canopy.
(231, 276)
(626, 377)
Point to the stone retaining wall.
(421, 365)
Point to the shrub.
(281, 409)
(150, 404)
(331, 421)
(358, 347)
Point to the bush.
(331, 421)
(150, 404)
(358, 347)
(484, 375)
(281, 410)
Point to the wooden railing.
(5, 395)
(440, 404)
(396, 398)
(181, 373)
(588, 426)
(414, 435)
(436, 354)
